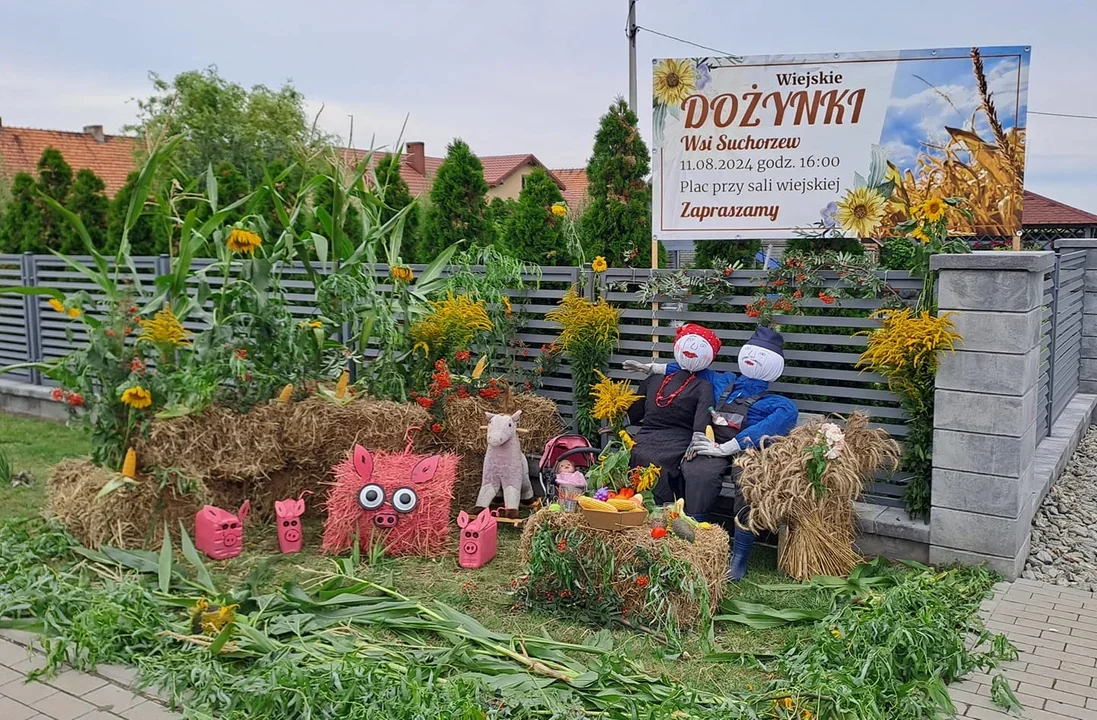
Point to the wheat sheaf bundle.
(820, 528)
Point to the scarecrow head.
(695, 347)
(763, 356)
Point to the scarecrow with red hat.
(741, 414)
(674, 406)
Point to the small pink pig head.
(478, 539)
(288, 513)
(218, 533)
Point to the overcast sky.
(513, 76)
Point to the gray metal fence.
(1060, 352)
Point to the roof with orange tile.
(575, 186)
(1040, 211)
(112, 160)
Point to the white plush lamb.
(505, 467)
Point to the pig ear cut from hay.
(363, 462)
(425, 470)
(462, 519)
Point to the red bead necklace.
(662, 402)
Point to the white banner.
(769, 146)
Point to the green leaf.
(141, 192)
(33, 290)
(139, 560)
(211, 187)
(221, 639)
(111, 485)
(321, 244)
(164, 569)
(78, 225)
(102, 279)
(204, 579)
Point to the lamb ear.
(462, 519)
(489, 415)
(363, 463)
(517, 414)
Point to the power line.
(1065, 115)
(687, 42)
(725, 53)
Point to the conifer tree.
(397, 197)
(21, 226)
(88, 200)
(532, 232)
(458, 203)
(54, 181)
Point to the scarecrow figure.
(742, 414)
(672, 409)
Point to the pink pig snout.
(292, 535)
(385, 519)
(231, 539)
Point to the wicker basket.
(605, 520)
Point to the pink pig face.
(218, 533)
(479, 539)
(288, 513)
(386, 502)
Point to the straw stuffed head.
(695, 347)
(401, 500)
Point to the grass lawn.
(35, 445)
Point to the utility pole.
(630, 32)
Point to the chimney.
(96, 131)
(416, 155)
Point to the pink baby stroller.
(574, 447)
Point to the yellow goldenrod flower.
(164, 329)
(626, 440)
(451, 324)
(57, 305)
(861, 211)
(137, 397)
(243, 241)
(584, 321)
(611, 399)
(74, 312)
(907, 341)
(673, 81)
(507, 307)
(399, 273)
(599, 265)
(933, 209)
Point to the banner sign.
(776, 146)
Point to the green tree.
(840, 244)
(617, 221)
(458, 203)
(533, 232)
(223, 122)
(88, 199)
(397, 196)
(709, 253)
(54, 181)
(149, 235)
(21, 226)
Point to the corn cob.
(710, 433)
(622, 504)
(481, 365)
(286, 395)
(341, 386)
(129, 465)
(589, 503)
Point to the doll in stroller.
(560, 452)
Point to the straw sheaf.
(820, 530)
(318, 432)
(132, 516)
(708, 556)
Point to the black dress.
(666, 432)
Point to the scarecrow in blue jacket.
(743, 412)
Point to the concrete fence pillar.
(1087, 377)
(985, 417)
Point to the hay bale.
(465, 417)
(218, 443)
(318, 433)
(470, 473)
(631, 552)
(132, 516)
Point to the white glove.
(701, 445)
(651, 368)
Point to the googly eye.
(404, 500)
(371, 497)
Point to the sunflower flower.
(920, 235)
(861, 211)
(647, 478)
(626, 440)
(599, 265)
(673, 81)
(402, 274)
(933, 209)
(137, 397)
(611, 399)
(74, 312)
(243, 241)
(164, 329)
(57, 305)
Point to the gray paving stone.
(113, 698)
(62, 706)
(118, 673)
(76, 682)
(26, 692)
(150, 710)
(13, 710)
